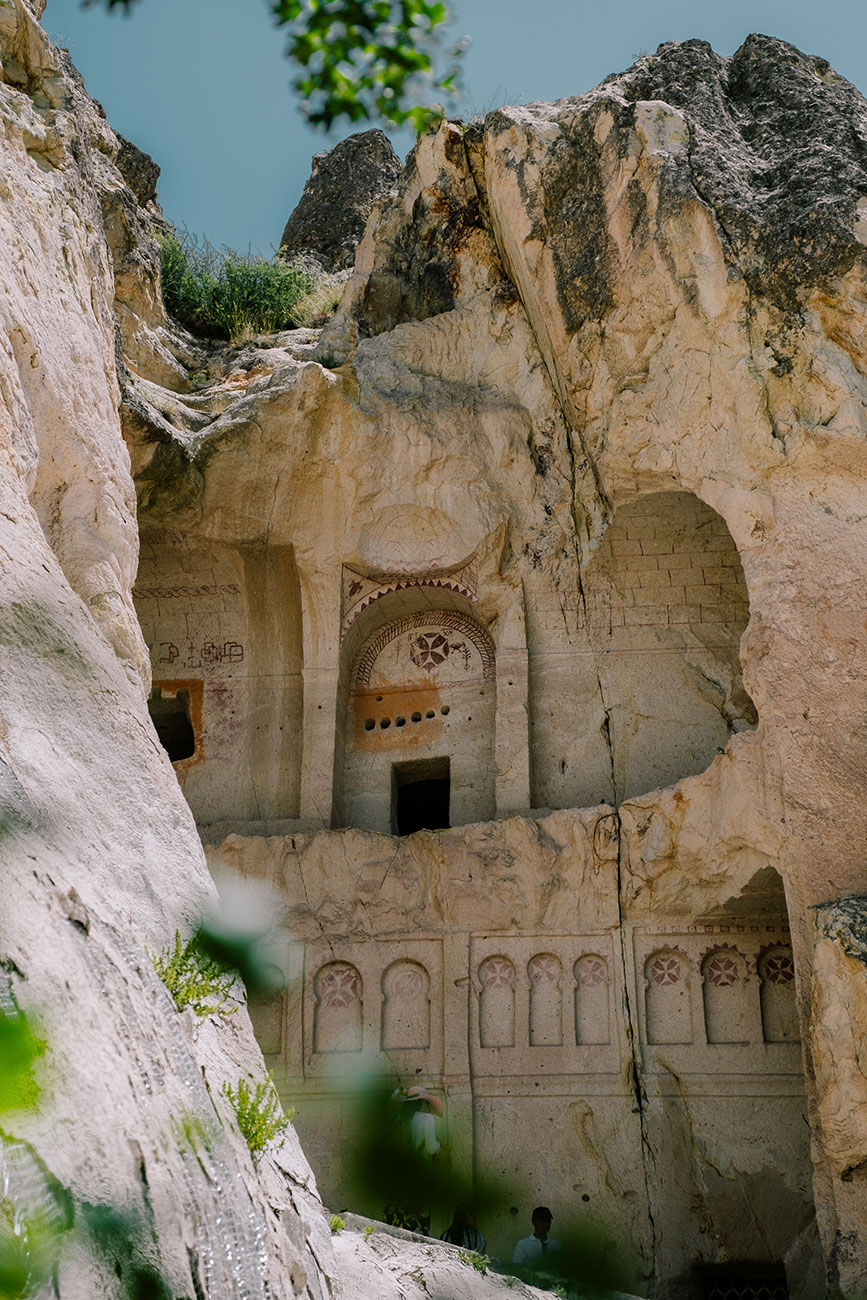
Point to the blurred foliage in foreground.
(366, 59)
(38, 1214)
(383, 1167)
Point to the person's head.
(464, 1216)
(541, 1220)
(422, 1100)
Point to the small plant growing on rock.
(194, 979)
(474, 1260)
(369, 1230)
(320, 303)
(258, 1113)
(337, 1223)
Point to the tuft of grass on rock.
(221, 294)
(321, 302)
(258, 1113)
(337, 1223)
(474, 1260)
(194, 979)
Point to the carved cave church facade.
(472, 744)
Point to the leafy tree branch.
(372, 60)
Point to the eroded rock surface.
(100, 853)
(559, 526)
(338, 198)
(570, 515)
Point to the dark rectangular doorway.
(170, 715)
(420, 796)
(744, 1282)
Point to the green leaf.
(20, 1049)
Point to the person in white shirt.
(423, 1125)
(422, 1139)
(533, 1250)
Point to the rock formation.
(100, 854)
(339, 196)
(512, 630)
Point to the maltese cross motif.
(590, 970)
(779, 968)
(339, 987)
(665, 970)
(429, 649)
(723, 971)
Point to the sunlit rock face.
(568, 506)
(512, 629)
(99, 850)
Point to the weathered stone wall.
(224, 625)
(640, 305)
(495, 963)
(643, 669)
(571, 318)
(100, 856)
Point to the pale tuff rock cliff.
(559, 528)
(570, 515)
(100, 853)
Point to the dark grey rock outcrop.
(138, 169)
(778, 150)
(339, 197)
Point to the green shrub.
(194, 979)
(474, 1260)
(258, 1113)
(369, 1230)
(337, 1223)
(20, 1049)
(220, 294)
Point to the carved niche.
(405, 1007)
(497, 1002)
(592, 1002)
(337, 1012)
(668, 1013)
(726, 997)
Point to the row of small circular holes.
(401, 722)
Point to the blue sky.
(203, 85)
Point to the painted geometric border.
(446, 618)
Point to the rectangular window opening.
(420, 796)
(170, 714)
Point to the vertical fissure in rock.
(580, 526)
(634, 1063)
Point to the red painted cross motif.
(591, 970)
(498, 973)
(544, 970)
(665, 970)
(779, 968)
(723, 971)
(339, 986)
(429, 649)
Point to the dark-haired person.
(462, 1230)
(532, 1250)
